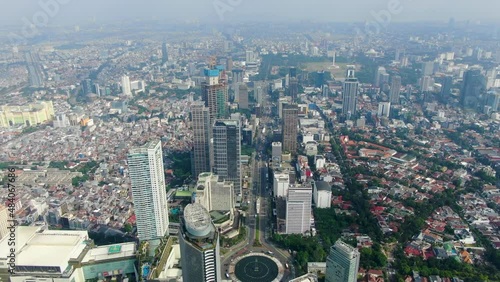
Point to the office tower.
(325, 91)
(250, 56)
(334, 54)
(238, 75)
(126, 85)
(200, 117)
(395, 90)
(214, 94)
(397, 55)
(243, 96)
(164, 53)
(229, 63)
(447, 83)
(425, 83)
(199, 244)
(97, 89)
(148, 190)
(227, 152)
(379, 76)
(298, 209)
(280, 184)
(350, 92)
(342, 264)
(493, 100)
(322, 194)
(473, 86)
(292, 72)
(427, 68)
(214, 194)
(290, 123)
(384, 109)
(320, 79)
(259, 94)
(293, 88)
(87, 87)
(276, 151)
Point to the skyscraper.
(395, 90)
(427, 68)
(199, 244)
(342, 264)
(447, 83)
(148, 190)
(290, 123)
(164, 53)
(384, 109)
(200, 117)
(227, 152)
(214, 94)
(293, 88)
(87, 87)
(126, 85)
(298, 209)
(379, 76)
(473, 85)
(243, 96)
(350, 92)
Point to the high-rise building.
(87, 87)
(378, 76)
(350, 92)
(202, 129)
(292, 72)
(384, 109)
(214, 194)
(325, 91)
(447, 83)
(243, 96)
(281, 183)
(227, 152)
(493, 100)
(473, 86)
(425, 83)
(277, 150)
(290, 124)
(293, 88)
(427, 68)
(298, 209)
(250, 56)
(342, 264)
(126, 85)
(199, 244)
(214, 94)
(164, 53)
(320, 79)
(395, 90)
(148, 190)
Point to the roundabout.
(257, 267)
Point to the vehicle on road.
(227, 275)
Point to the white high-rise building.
(322, 195)
(298, 209)
(384, 109)
(280, 184)
(126, 89)
(214, 194)
(148, 190)
(342, 264)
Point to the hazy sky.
(83, 11)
